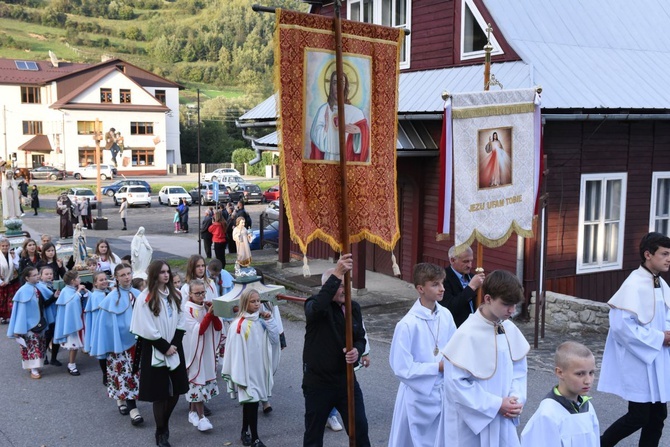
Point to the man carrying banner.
(460, 288)
(325, 359)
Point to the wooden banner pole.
(487, 79)
(339, 66)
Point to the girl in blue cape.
(98, 293)
(26, 315)
(69, 329)
(49, 295)
(113, 340)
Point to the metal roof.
(412, 136)
(586, 54)
(421, 91)
(265, 110)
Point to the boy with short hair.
(485, 378)
(416, 361)
(566, 417)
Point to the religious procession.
(528, 180)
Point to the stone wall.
(567, 314)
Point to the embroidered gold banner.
(308, 129)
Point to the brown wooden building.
(606, 116)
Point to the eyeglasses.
(199, 293)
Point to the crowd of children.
(155, 339)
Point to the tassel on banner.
(394, 265)
(305, 267)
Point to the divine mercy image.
(321, 116)
(495, 157)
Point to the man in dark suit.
(460, 287)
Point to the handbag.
(42, 324)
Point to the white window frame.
(377, 19)
(659, 175)
(483, 25)
(600, 265)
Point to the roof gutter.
(421, 117)
(256, 124)
(605, 116)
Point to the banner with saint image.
(492, 153)
(309, 123)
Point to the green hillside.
(221, 47)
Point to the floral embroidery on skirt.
(121, 382)
(32, 356)
(6, 295)
(202, 393)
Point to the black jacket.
(323, 355)
(247, 217)
(456, 298)
(204, 227)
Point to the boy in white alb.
(566, 418)
(416, 361)
(485, 378)
(636, 360)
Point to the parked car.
(134, 195)
(47, 172)
(77, 194)
(218, 174)
(91, 171)
(207, 194)
(272, 210)
(110, 190)
(248, 192)
(231, 181)
(271, 194)
(170, 195)
(270, 236)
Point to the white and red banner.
(490, 163)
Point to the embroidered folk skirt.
(121, 382)
(32, 356)
(202, 393)
(6, 295)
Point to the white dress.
(472, 399)
(638, 317)
(553, 426)
(418, 404)
(247, 363)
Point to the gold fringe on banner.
(493, 243)
(477, 112)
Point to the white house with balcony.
(49, 111)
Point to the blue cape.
(49, 311)
(90, 316)
(68, 314)
(25, 311)
(112, 327)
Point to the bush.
(51, 17)
(243, 156)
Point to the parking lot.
(156, 219)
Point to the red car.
(271, 194)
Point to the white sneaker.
(333, 423)
(204, 424)
(193, 418)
